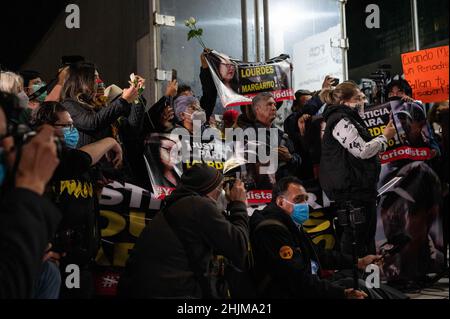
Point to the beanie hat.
(230, 116)
(202, 179)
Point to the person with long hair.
(79, 92)
(350, 165)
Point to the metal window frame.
(415, 25)
(262, 36)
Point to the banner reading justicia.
(238, 82)
(413, 140)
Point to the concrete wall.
(109, 33)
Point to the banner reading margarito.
(238, 82)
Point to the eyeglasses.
(300, 199)
(71, 127)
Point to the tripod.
(350, 217)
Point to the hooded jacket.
(171, 258)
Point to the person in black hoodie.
(287, 263)
(172, 256)
(350, 165)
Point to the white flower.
(192, 21)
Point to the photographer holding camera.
(28, 220)
(350, 166)
(172, 257)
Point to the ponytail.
(343, 92)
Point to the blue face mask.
(3, 169)
(300, 213)
(71, 137)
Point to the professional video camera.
(375, 86)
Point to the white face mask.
(23, 100)
(199, 116)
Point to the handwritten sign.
(427, 73)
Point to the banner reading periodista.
(413, 139)
(238, 82)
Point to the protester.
(130, 132)
(439, 117)
(79, 92)
(13, 84)
(350, 166)
(264, 111)
(33, 86)
(72, 190)
(187, 111)
(230, 118)
(191, 225)
(160, 118)
(301, 97)
(399, 89)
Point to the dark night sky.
(22, 25)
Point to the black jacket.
(171, 258)
(291, 276)
(290, 168)
(27, 224)
(95, 125)
(209, 97)
(343, 176)
(301, 146)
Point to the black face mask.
(394, 98)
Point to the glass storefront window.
(433, 22)
(303, 29)
(222, 24)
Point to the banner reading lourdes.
(238, 82)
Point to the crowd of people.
(61, 143)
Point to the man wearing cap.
(172, 256)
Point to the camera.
(375, 86)
(22, 135)
(230, 180)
